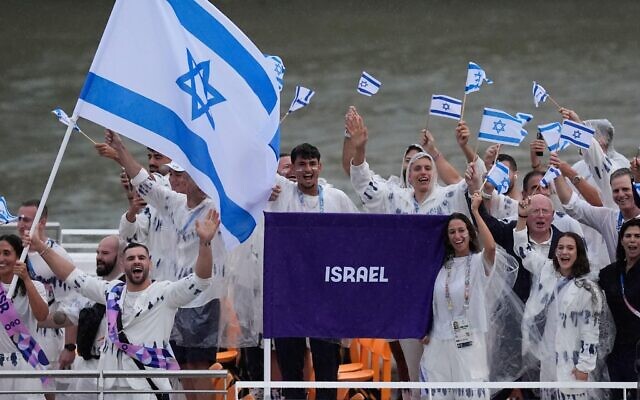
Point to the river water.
(585, 53)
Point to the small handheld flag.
(368, 85)
(499, 177)
(576, 133)
(539, 94)
(551, 135)
(5, 215)
(64, 118)
(476, 76)
(302, 98)
(499, 127)
(445, 106)
(551, 174)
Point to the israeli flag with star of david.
(445, 106)
(551, 135)
(500, 127)
(549, 176)
(5, 215)
(539, 94)
(576, 133)
(368, 85)
(180, 77)
(301, 99)
(476, 76)
(498, 176)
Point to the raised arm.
(446, 171)
(347, 146)
(59, 265)
(38, 305)
(124, 158)
(359, 136)
(588, 192)
(484, 234)
(462, 137)
(562, 187)
(206, 230)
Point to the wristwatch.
(576, 180)
(70, 347)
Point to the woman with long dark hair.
(621, 284)
(30, 307)
(562, 315)
(456, 347)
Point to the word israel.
(352, 274)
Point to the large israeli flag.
(499, 127)
(180, 77)
(576, 133)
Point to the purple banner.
(350, 275)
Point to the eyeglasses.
(541, 211)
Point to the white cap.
(175, 166)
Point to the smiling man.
(605, 220)
(140, 312)
(308, 194)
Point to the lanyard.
(416, 206)
(620, 221)
(320, 198)
(629, 306)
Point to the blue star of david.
(446, 107)
(363, 84)
(577, 134)
(498, 126)
(505, 183)
(279, 68)
(198, 78)
(478, 76)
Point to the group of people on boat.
(542, 279)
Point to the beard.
(139, 278)
(104, 268)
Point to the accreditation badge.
(461, 332)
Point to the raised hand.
(354, 124)
(427, 141)
(208, 227)
(490, 155)
(462, 133)
(569, 114)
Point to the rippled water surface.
(586, 54)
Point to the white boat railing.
(100, 377)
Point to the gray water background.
(585, 53)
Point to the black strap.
(123, 338)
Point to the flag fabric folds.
(551, 135)
(201, 93)
(368, 85)
(5, 215)
(329, 286)
(549, 176)
(576, 133)
(302, 98)
(64, 118)
(498, 176)
(445, 106)
(499, 127)
(476, 76)
(278, 68)
(539, 94)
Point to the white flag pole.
(43, 199)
